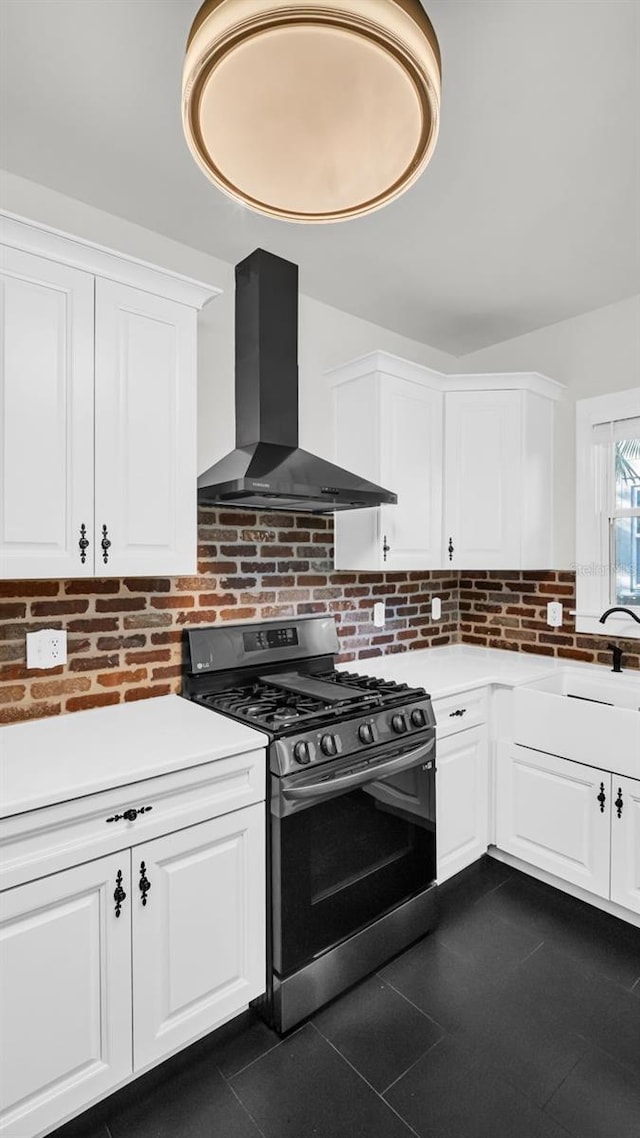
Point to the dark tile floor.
(518, 1018)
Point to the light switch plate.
(436, 608)
(47, 648)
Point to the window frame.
(593, 546)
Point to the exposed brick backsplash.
(509, 610)
(125, 635)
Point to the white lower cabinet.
(109, 966)
(462, 800)
(625, 842)
(576, 822)
(65, 994)
(198, 929)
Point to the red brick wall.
(509, 610)
(124, 635)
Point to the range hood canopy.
(268, 470)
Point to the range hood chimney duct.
(266, 351)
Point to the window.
(608, 511)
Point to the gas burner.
(284, 715)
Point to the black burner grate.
(277, 709)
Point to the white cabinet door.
(482, 480)
(199, 941)
(389, 429)
(462, 790)
(145, 374)
(625, 842)
(555, 814)
(65, 994)
(46, 425)
(411, 466)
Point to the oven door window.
(345, 861)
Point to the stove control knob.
(418, 717)
(399, 724)
(301, 753)
(367, 733)
(328, 745)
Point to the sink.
(616, 690)
(588, 714)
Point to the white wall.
(328, 336)
(592, 354)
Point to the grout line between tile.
(412, 1065)
(364, 1080)
(426, 1015)
(262, 1054)
(241, 1104)
(529, 955)
(561, 1084)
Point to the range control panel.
(349, 736)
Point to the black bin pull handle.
(131, 814)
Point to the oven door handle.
(371, 774)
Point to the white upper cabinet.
(98, 423)
(46, 436)
(145, 457)
(470, 458)
(389, 429)
(482, 489)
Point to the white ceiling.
(527, 214)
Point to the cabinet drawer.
(56, 837)
(457, 712)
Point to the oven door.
(348, 845)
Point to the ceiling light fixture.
(312, 111)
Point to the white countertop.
(458, 667)
(58, 758)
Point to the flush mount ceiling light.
(312, 111)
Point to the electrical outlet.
(436, 608)
(554, 614)
(47, 648)
(379, 614)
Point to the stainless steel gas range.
(351, 828)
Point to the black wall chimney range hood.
(268, 470)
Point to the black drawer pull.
(460, 711)
(131, 814)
